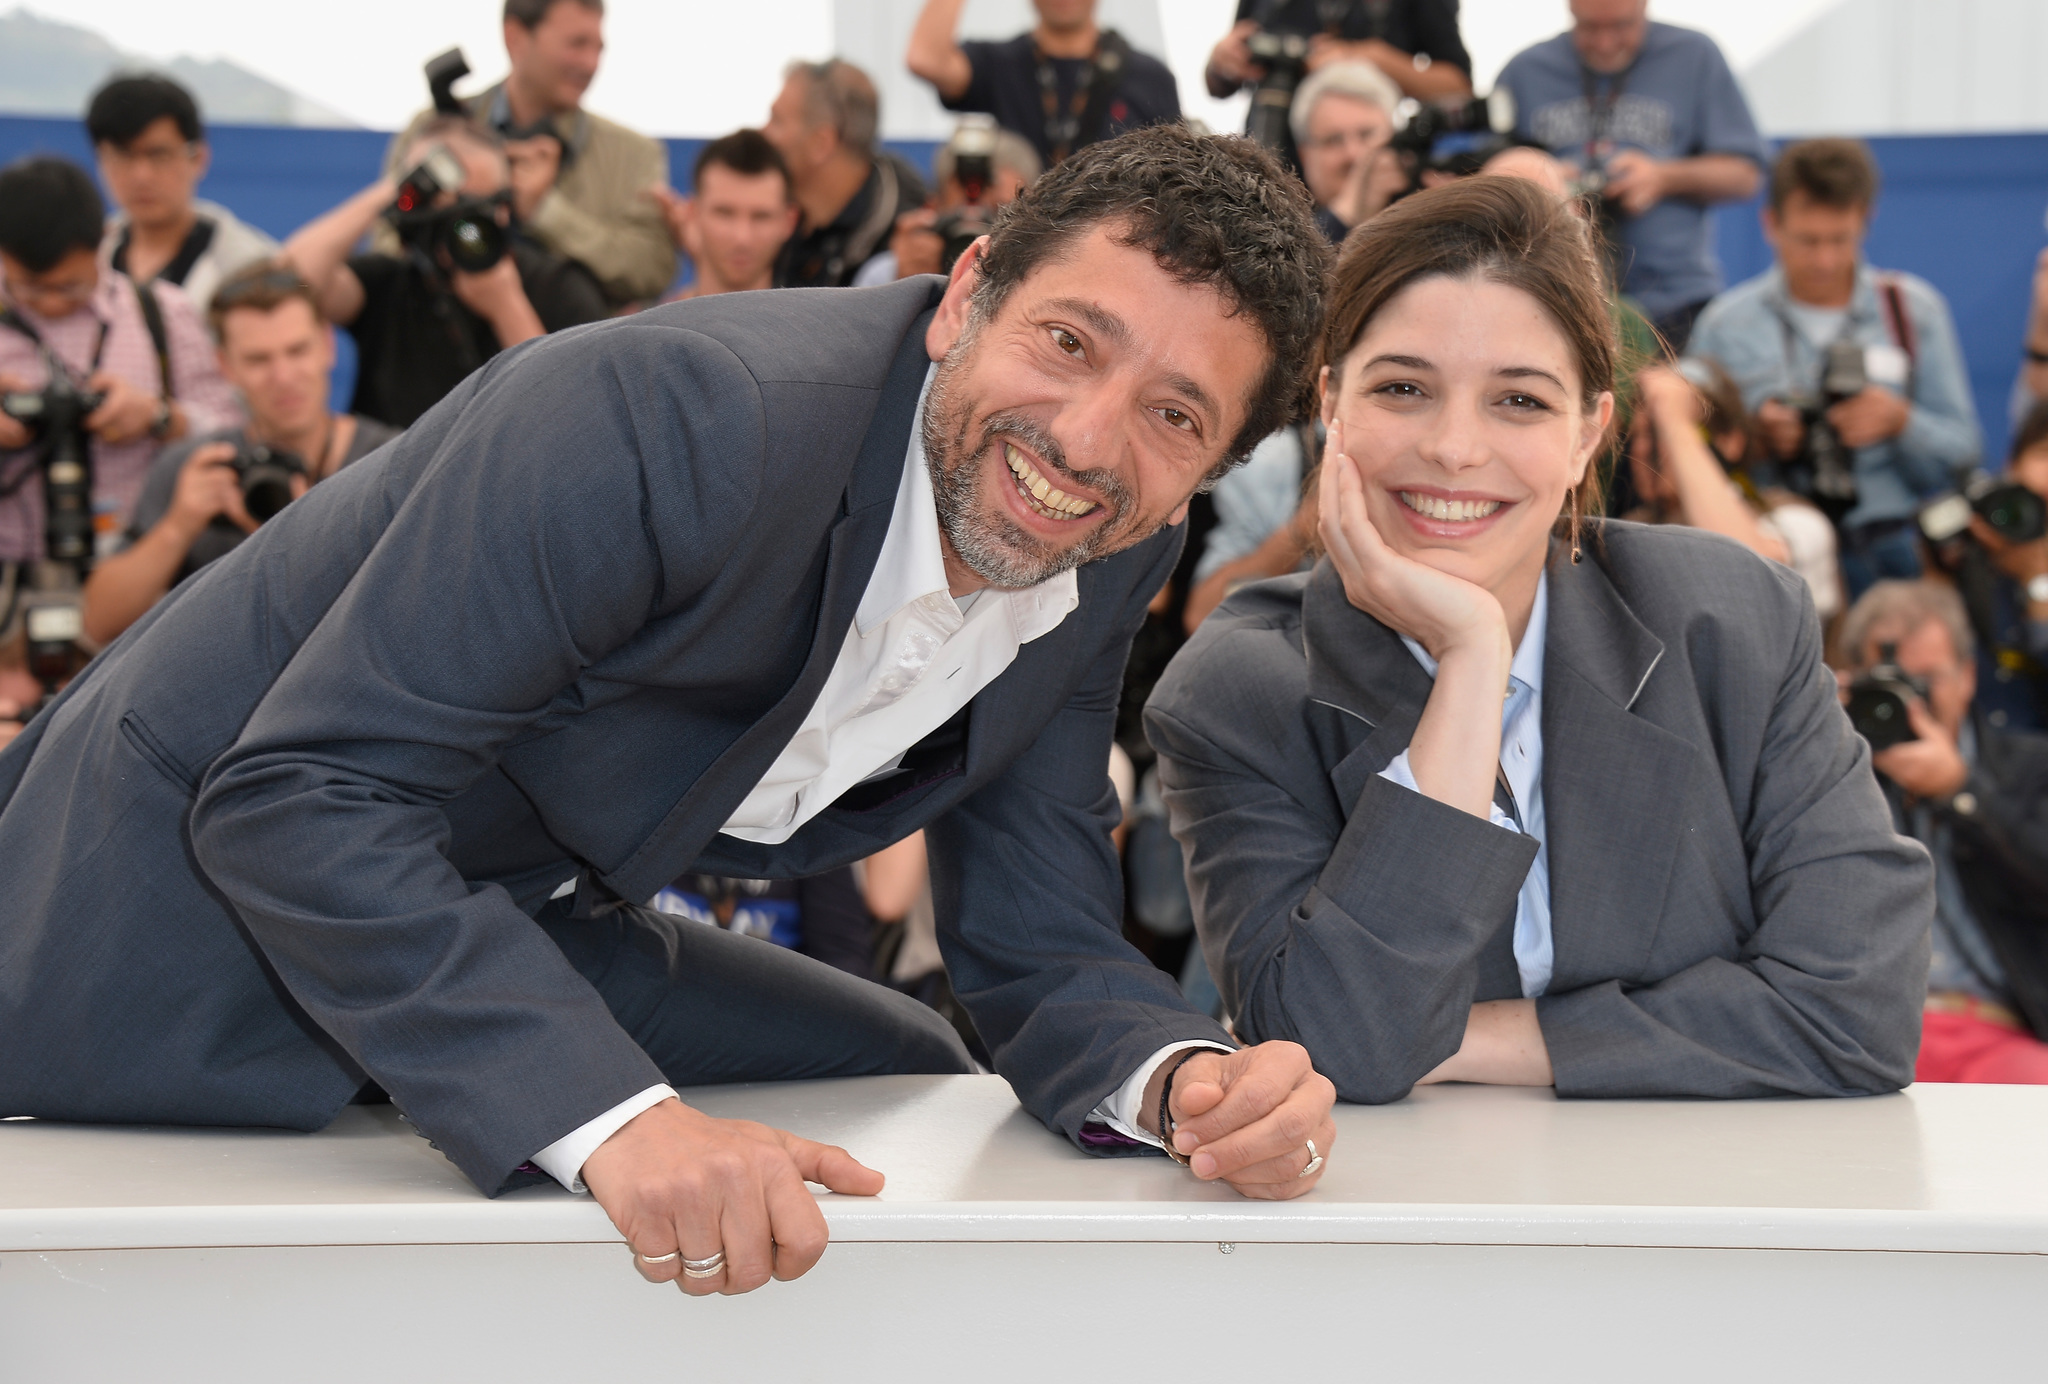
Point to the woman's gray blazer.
(1732, 912)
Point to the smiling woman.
(1498, 793)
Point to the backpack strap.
(159, 334)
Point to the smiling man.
(751, 585)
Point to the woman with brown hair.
(1501, 793)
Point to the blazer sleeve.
(1333, 924)
(1825, 997)
(529, 544)
(1029, 896)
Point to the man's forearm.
(935, 54)
(320, 247)
(1712, 178)
(121, 590)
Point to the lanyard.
(1600, 113)
(1062, 129)
(51, 361)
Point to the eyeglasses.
(74, 295)
(158, 157)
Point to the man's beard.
(992, 544)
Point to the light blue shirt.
(1521, 761)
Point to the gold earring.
(1576, 553)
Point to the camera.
(1455, 138)
(53, 609)
(444, 70)
(973, 147)
(266, 474)
(2014, 512)
(1285, 58)
(466, 230)
(1825, 470)
(1878, 697)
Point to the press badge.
(1887, 365)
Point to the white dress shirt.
(1521, 761)
(913, 657)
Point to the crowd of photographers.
(167, 373)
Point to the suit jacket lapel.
(1360, 668)
(852, 549)
(1610, 781)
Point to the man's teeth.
(1448, 511)
(1042, 495)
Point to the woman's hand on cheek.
(1441, 612)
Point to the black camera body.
(53, 607)
(56, 414)
(465, 230)
(1454, 138)
(1285, 58)
(1878, 698)
(266, 474)
(2013, 512)
(1825, 470)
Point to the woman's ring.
(1315, 1160)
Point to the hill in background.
(51, 68)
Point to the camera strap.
(159, 335)
(1600, 110)
(1081, 124)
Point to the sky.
(693, 67)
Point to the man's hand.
(1784, 430)
(498, 296)
(1246, 1117)
(674, 1179)
(208, 487)
(1635, 181)
(126, 414)
(2020, 561)
(13, 432)
(1930, 767)
(1230, 61)
(917, 244)
(679, 213)
(535, 164)
(1875, 415)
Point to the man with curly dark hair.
(750, 585)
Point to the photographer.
(1650, 114)
(1415, 42)
(1063, 86)
(980, 170)
(421, 322)
(826, 122)
(152, 154)
(1342, 120)
(581, 184)
(1977, 797)
(156, 379)
(278, 352)
(1855, 374)
(740, 212)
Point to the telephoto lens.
(267, 474)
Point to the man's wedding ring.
(1315, 1160)
(659, 1258)
(704, 1268)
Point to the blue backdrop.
(1963, 212)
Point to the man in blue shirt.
(1652, 113)
(1913, 422)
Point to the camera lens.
(473, 243)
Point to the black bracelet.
(1165, 1102)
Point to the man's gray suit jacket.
(288, 833)
(1731, 911)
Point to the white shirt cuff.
(563, 1159)
(1120, 1109)
(1400, 772)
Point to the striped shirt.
(118, 468)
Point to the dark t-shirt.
(221, 537)
(1413, 26)
(415, 340)
(1006, 85)
(830, 255)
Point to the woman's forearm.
(1503, 1047)
(1455, 752)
